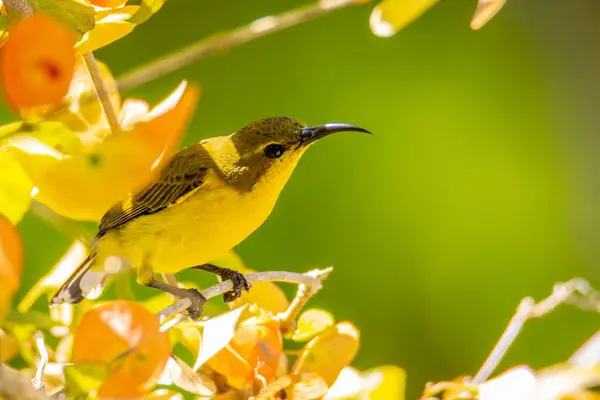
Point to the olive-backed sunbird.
(206, 199)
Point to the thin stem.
(287, 319)
(227, 40)
(38, 382)
(577, 292)
(102, 91)
(508, 337)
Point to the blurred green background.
(479, 187)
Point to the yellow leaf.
(385, 382)
(15, 188)
(310, 387)
(311, 323)
(84, 184)
(9, 346)
(389, 16)
(113, 26)
(84, 116)
(485, 11)
(328, 353)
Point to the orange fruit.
(107, 3)
(106, 332)
(37, 62)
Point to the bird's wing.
(184, 173)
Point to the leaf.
(147, 9)
(217, 333)
(84, 114)
(76, 15)
(84, 378)
(178, 373)
(328, 353)
(385, 382)
(311, 323)
(311, 387)
(15, 188)
(112, 27)
(9, 346)
(589, 353)
(390, 16)
(518, 383)
(76, 253)
(348, 385)
(84, 185)
(485, 11)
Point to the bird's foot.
(197, 299)
(239, 283)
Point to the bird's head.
(270, 148)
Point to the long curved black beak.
(313, 133)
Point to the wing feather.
(184, 173)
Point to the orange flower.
(108, 331)
(37, 62)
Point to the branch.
(577, 292)
(306, 291)
(102, 92)
(312, 280)
(227, 40)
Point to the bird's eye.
(274, 150)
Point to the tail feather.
(83, 283)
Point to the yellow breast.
(213, 220)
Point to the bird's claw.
(198, 300)
(239, 283)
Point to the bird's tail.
(83, 283)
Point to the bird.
(205, 200)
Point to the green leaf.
(15, 188)
(311, 323)
(84, 378)
(31, 317)
(77, 16)
(147, 9)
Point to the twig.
(73, 229)
(15, 385)
(576, 292)
(224, 41)
(101, 91)
(305, 292)
(38, 381)
(312, 280)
